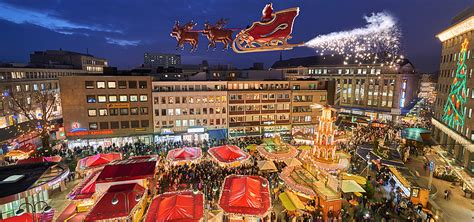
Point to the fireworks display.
(377, 42)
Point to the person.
(267, 13)
(445, 194)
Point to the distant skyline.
(121, 31)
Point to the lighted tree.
(454, 108)
(38, 107)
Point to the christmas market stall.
(227, 155)
(245, 197)
(95, 162)
(23, 152)
(275, 149)
(184, 155)
(176, 206)
(41, 159)
(122, 202)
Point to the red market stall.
(228, 155)
(26, 217)
(123, 202)
(176, 206)
(96, 161)
(23, 152)
(245, 196)
(83, 194)
(51, 159)
(184, 155)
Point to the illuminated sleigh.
(268, 36)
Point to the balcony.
(236, 112)
(252, 101)
(236, 101)
(268, 111)
(283, 100)
(283, 111)
(252, 112)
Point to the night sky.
(122, 31)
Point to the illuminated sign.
(196, 130)
(457, 29)
(166, 131)
(90, 133)
(76, 127)
(118, 105)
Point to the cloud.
(122, 42)
(46, 20)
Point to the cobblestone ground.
(59, 201)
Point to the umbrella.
(266, 165)
(350, 186)
(304, 147)
(292, 162)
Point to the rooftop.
(130, 169)
(324, 60)
(18, 178)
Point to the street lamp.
(21, 211)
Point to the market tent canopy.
(265, 165)
(53, 159)
(184, 154)
(130, 169)
(97, 160)
(417, 134)
(228, 154)
(304, 147)
(86, 188)
(26, 217)
(359, 179)
(350, 186)
(287, 204)
(251, 147)
(176, 206)
(293, 162)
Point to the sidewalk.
(458, 208)
(59, 202)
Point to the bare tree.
(37, 106)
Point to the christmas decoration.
(324, 147)
(454, 112)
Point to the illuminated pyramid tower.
(324, 147)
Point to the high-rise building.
(427, 87)
(155, 60)
(453, 122)
(375, 90)
(68, 60)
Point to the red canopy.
(228, 154)
(98, 160)
(125, 194)
(27, 148)
(54, 159)
(245, 195)
(181, 154)
(176, 206)
(86, 188)
(26, 217)
(131, 169)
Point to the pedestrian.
(446, 194)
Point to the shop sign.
(165, 131)
(196, 130)
(90, 133)
(118, 105)
(269, 122)
(396, 111)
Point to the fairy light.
(381, 35)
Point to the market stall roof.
(350, 186)
(245, 195)
(100, 159)
(359, 179)
(53, 159)
(292, 162)
(86, 188)
(130, 169)
(184, 154)
(26, 217)
(304, 147)
(176, 206)
(286, 202)
(126, 194)
(228, 154)
(418, 134)
(267, 165)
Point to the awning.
(285, 200)
(304, 147)
(176, 206)
(350, 186)
(295, 200)
(359, 179)
(266, 165)
(292, 162)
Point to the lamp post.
(368, 164)
(46, 209)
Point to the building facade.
(107, 110)
(155, 60)
(189, 110)
(456, 86)
(374, 90)
(69, 60)
(427, 88)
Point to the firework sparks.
(381, 36)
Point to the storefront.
(106, 142)
(303, 134)
(409, 188)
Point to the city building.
(189, 110)
(453, 120)
(427, 89)
(68, 60)
(106, 110)
(374, 90)
(163, 60)
(32, 183)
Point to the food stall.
(409, 187)
(228, 156)
(186, 155)
(275, 149)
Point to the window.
(163, 112)
(112, 98)
(123, 98)
(134, 111)
(122, 85)
(104, 125)
(89, 85)
(144, 110)
(100, 85)
(123, 111)
(102, 112)
(91, 99)
(113, 112)
(114, 125)
(92, 112)
(134, 124)
(125, 124)
(142, 84)
(132, 85)
(143, 98)
(93, 126)
(178, 122)
(177, 111)
(111, 85)
(145, 123)
(170, 112)
(133, 98)
(102, 99)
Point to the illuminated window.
(111, 85)
(133, 98)
(123, 98)
(112, 98)
(102, 99)
(100, 85)
(102, 112)
(134, 111)
(143, 98)
(91, 99)
(93, 126)
(92, 112)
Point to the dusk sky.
(121, 31)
